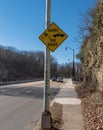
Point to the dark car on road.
(54, 79)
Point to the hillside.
(92, 51)
(91, 55)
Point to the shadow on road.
(31, 92)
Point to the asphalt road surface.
(21, 105)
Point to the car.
(60, 79)
(54, 79)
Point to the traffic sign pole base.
(46, 121)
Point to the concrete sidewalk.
(72, 114)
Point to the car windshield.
(60, 78)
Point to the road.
(21, 105)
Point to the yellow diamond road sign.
(53, 36)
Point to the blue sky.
(22, 22)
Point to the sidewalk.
(72, 115)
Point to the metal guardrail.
(20, 81)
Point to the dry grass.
(56, 111)
(92, 108)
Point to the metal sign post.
(52, 37)
(47, 63)
(46, 116)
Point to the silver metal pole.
(46, 121)
(47, 63)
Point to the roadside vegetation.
(91, 56)
(25, 65)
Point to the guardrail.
(20, 81)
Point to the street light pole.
(73, 68)
(46, 122)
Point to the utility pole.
(46, 116)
